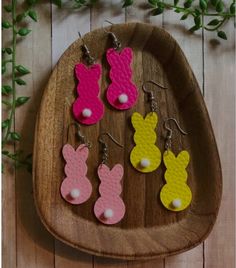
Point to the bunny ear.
(151, 119)
(169, 158)
(184, 158)
(117, 171)
(67, 151)
(96, 70)
(137, 120)
(103, 171)
(127, 54)
(83, 151)
(112, 55)
(80, 69)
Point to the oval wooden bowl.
(148, 230)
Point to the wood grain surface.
(148, 230)
(35, 247)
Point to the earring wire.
(80, 136)
(105, 146)
(90, 59)
(116, 43)
(170, 132)
(150, 94)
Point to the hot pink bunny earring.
(109, 208)
(76, 187)
(88, 108)
(122, 94)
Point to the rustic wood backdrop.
(26, 243)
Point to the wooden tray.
(148, 230)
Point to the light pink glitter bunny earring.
(122, 94)
(76, 187)
(109, 208)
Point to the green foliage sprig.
(17, 72)
(195, 9)
(198, 10)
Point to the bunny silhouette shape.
(175, 194)
(88, 108)
(110, 208)
(145, 156)
(122, 94)
(76, 187)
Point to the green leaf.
(21, 100)
(222, 35)
(7, 103)
(24, 31)
(31, 2)
(197, 21)
(153, 2)
(4, 69)
(194, 28)
(232, 8)
(82, 2)
(20, 82)
(6, 24)
(21, 16)
(184, 17)
(22, 70)
(5, 152)
(197, 12)
(128, 3)
(57, 2)
(213, 22)
(8, 8)
(15, 136)
(177, 10)
(6, 89)
(8, 50)
(219, 6)
(33, 15)
(157, 11)
(3, 50)
(214, 2)
(5, 123)
(176, 2)
(188, 3)
(203, 4)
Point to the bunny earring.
(88, 108)
(76, 187)
(175, 195)
(146, 156)
(122, 94)
(109, 208)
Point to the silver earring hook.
(90, 59)
(105, 146)
(170, 131)
(116, 43)
(150, 94)
(81, 137)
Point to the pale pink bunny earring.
(109, 208)
(76, 187)
(122, 94)
(88, 109)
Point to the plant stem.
(13, 104)
(191, 11)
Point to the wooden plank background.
(25, 241)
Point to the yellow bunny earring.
(175, 195)
(146, 156)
